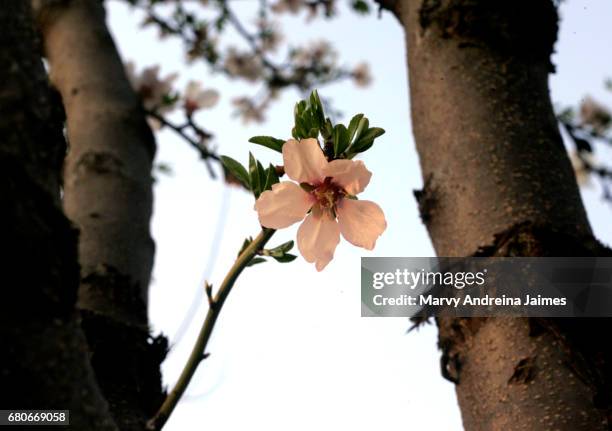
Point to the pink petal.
(361, 222)
(351, 175)
(282, 206)
(304, 161)
(318, 237)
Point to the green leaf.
(309, 123)
(288, 257)
(352, 128)
(269, 142)
(371, 134)
(327, 130)
(300, 107)
(255, 261)
(341, 140)
(271, 177)
(300, 130)
(317, 108)
(360, 6)
(254, 176)
(363, 146)
(313, 133)
(366, 140)
(236, 170)
(362, 126)
(281, 249)
(262, 176)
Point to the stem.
(251, 40)
(205, 154)
(179, 130)
(198, 351)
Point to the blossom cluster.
(587, 127)
(258, 59)
(158, 95)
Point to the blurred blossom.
(156, 93)
(270, 35)
(361, 75)
(196, 97)
(248, 110)
(329, 9)
(581, 169)
(243, 64)
(595, 115)
(292, 6)
(318, 53)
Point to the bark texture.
(108, 196)
(497, 181)
(44, 362)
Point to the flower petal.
(351, 175)
(208, 98)
(361, 222)
(318, 237)
(282, 206)
(304, 161)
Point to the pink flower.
(198, 98)
(333, 210)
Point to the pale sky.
(290, 350)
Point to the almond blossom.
(243, 64)
(580, 163)
(325, 196)
(595, 115)
(318, 53)
(198, 98)
(292, 6)
(361, 75)
(269, 33)
(152, 89)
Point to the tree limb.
(44, 362)
(108, 195)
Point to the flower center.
(327, 194)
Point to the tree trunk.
(497, 181)
(108, 195)
(44, 362)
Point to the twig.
(251, 40)
(198, 352)
(204, 152)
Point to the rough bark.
(44, 362)
(497, 181)
(108, 195)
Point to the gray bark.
(497, 181)
(108, 196)
(44, 362)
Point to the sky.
(290, 350)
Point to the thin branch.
(199, 146)
(198, 352)
(252, 40)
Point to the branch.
(198, 353)
(44, 362)
(108, 196)
(199, 146)
(252, 41)
(390, 5)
